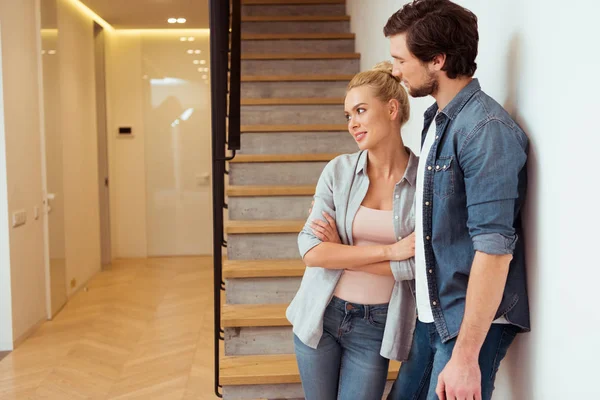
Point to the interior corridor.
(141, 330)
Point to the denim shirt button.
(437, 167)
(426, 203)
(431, 271)
(427, 237)
(429, 168)
(435, 303)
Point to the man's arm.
(484, 293)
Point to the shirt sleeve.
(493, 160)
(323, 203)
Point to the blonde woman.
(355, 308)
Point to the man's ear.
(438, 62)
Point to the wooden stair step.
(292, 101)
(262, 226)
(266, 158)
(301, 56)
(264, 191)
(269, 370)
(236, 269)
(297, 36)
(253, 315)
(290, 2)
(296, 18)
(294, 128)
(297, 78)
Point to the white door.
(53, 167)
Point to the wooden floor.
(142, 330)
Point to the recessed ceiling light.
(183, 39)
(172, 20)
(51, 51)
(191, 39)
(200, 69)
(202, 62)
(190, 51)
(181, 20)
(198, 51)
(196, 62)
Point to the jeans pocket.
(377, 319)
(443, 178)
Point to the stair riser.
(296, 10)
(292, 114)
(249, 341)
(296, 27)
(269, 208)
(253, 392)
(298, 143)
(262, 290)
(284, 391)
(293, 89)
(303, 67)
(297, 173)
(298, 46)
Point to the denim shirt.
(340, 192)
(474, 187)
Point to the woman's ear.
(393, 109)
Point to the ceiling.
(151, 14)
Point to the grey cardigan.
(340, 191)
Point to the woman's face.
(370, 120)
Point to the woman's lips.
(360, 136)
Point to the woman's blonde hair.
(385, 85)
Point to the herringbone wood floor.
(142, 330)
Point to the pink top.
(370, 227)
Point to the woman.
(358, 245)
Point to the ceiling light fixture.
(172, 20)
(183, 39)
(196, 62)
(197, 51)
(181, 20)
(190, 51)
(202, 62)
(191, 39)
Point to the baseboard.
(29, 332)
(4, 354)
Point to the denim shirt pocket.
(443, 180)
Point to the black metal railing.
(225, 65)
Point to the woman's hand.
(326, 231)
(403, 249)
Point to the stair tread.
(299, 56)
(264, 158)
(294, 128)
(263, 226)
(291, 2)
(297, 78)
(297, 36)
(265, 190)
(233, 269)
(253, 315)
(292, 101)
(296, 18)
(269, 370)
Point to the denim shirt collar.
(457, 103)
(411, 169)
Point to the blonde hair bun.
(386, 67)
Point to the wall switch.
(36, 213)
(19, 218)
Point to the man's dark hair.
(436, 27)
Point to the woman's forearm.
(340, 256)
(380, 268)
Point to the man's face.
(420, 80)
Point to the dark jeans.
(346, 364)
(417, 379)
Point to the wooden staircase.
(297, 58)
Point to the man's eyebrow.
(397, 57)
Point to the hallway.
(142, 330)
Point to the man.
(470, 266)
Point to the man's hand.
(460, 379)
(326, 231)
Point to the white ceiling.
(151, 14)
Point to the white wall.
(6, 333)
(80, 147)
(538, 59)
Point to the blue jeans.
(346, 364)
(417, 379)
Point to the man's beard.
(428, 88)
